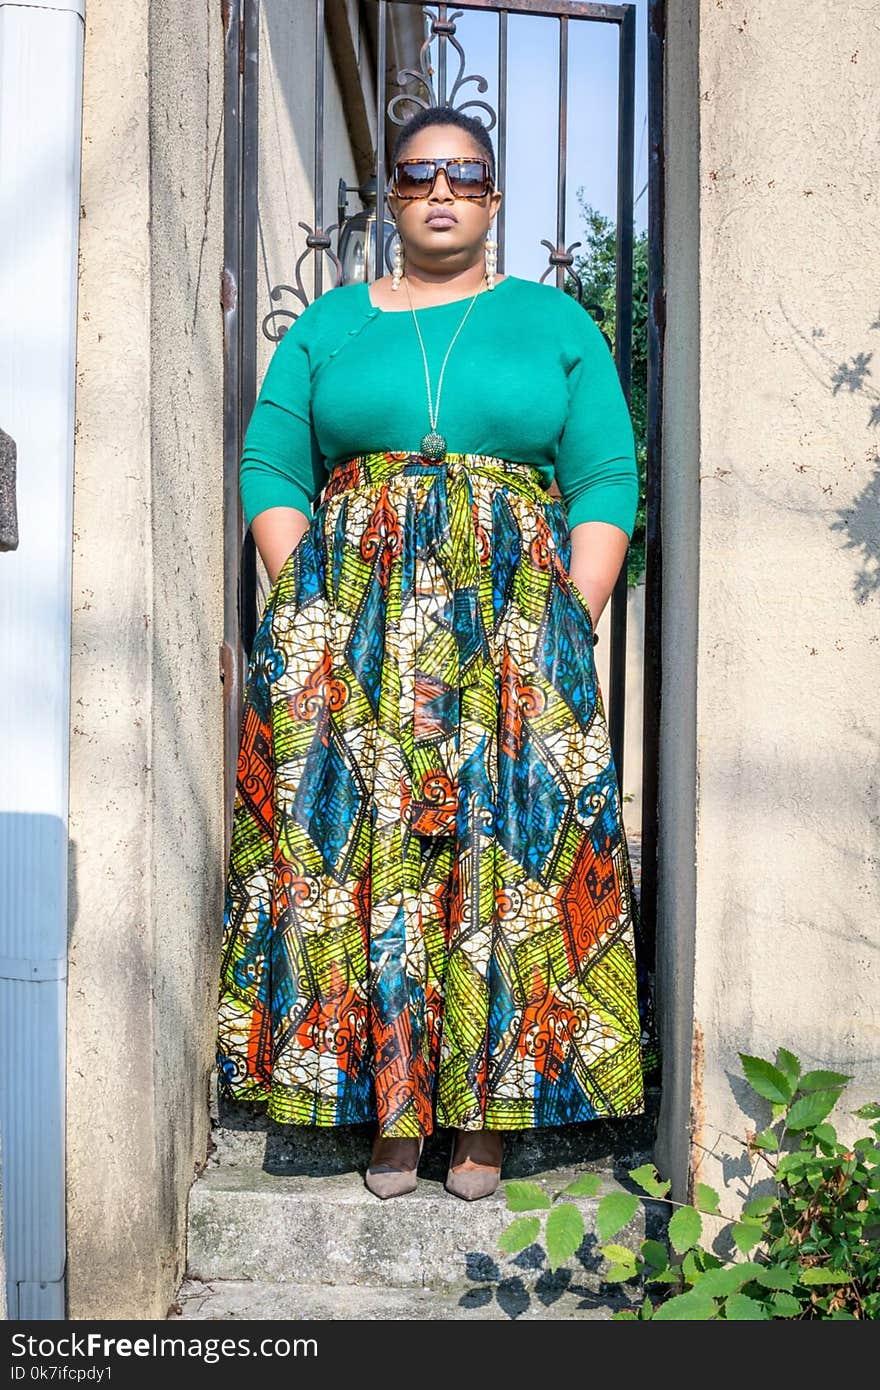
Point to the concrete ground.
(237, 1299)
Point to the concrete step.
(230, 1299)
(279, 1227)
(243, 1135)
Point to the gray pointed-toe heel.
(471, 1183)
(385, 1181)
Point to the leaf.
(691, 1306)
(587, 1185)
(740, 1308)
(746, 1235)
(617, 1274)
(519, 1234)
(871, 1111)
(663, 1276)
(786, 1306)
(775, 1277)
(564, 1233)
(767, 1139)
(707, 1199)
(615, 1211)
(721, 1282)
(826, 1134)
(822, 1080)
(810, 1109)
(818, 1275)
(525, 1196)
(624, 1315)
(690, 1268)
(655, 1254)
(767, 1080)
(685, 1229)
(759, 1206)
(790, 1165)
(650, 1181)
(619, 1254)
(789, 1065)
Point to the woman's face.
(449, 244)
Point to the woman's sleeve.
(596, 465)
(281, 463)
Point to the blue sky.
(530, 183)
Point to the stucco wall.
(146, 778)
(787, 844)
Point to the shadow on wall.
(859, 523)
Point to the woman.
(429, 908)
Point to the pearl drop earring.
(491, 259)
(397, 264)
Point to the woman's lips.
(441, 220)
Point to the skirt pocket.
(290, 560)
(557, 520)
(581, 599)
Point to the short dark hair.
(444, 115)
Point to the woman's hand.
(277, 531)
(598, 550)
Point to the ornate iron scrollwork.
(562, 256)
(316, 241)
(443, 30)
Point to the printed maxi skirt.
(429, 914)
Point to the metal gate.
(438, 76)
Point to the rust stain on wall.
(697, 1113)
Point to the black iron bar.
(381, 70)
(441, 59)
(653, 669)
(247, 324)
(231, 659)
(501, 143)
(623, 353)
(561, 143)
(318, 222)
(549, 9)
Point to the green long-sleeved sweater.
(530, 378)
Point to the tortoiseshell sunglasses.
(467, 177)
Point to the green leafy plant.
(807, 1248)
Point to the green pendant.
(433, 446)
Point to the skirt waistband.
(364, 469)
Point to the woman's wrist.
(598, 551)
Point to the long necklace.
(433, 445)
